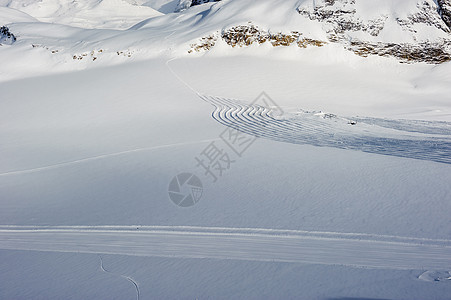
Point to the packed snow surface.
(338, 187)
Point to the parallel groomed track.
(409, 139)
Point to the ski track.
(87, 159)
(402, 138)
(236, 230)
(180, 78)
(135, 284)
(253, 244)
(97, 157)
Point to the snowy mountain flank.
(113, 14)
(409, 31)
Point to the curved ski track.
(409, 139)
(135, 284)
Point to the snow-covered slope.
(410, 31)
(342, 194)
(100, 146)
(163, 6)
(85, 13)
(9, 15)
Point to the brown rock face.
(431, 53)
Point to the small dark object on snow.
(199, 2)
(6, 35)
(352, 122)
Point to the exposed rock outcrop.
(185, 4)
(246, 35)
(198, 2)
(6, 37)
(341, 19)
(433, 53)
(445, 11)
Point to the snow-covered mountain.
(410, 30)
(234, 149)
(114, 14)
